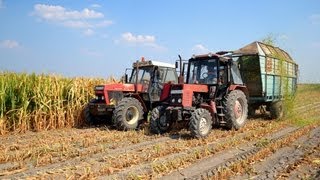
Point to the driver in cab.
(212, 75)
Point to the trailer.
(270, 75)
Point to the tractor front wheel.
(89, 118)
(200, 123)
(236, 109)
(159, 123)
(128, 113)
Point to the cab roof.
(153, 63)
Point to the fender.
(211, 108)
(239, 87)
(137, 96)
(165, 91)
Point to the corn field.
(42, 102)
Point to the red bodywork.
(119, 87)
(134, 90)
(188, 90)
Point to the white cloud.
(315, 19)
(129, 37)
(140, 40)
(85, 19)
(88, 32)
(95, 6)
(10, 44)
(58, 13)
(199, 49)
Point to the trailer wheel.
(236, 109)
(200, 123)
(277, 110)
(128, 113)
(159, 123)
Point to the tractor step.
(221, 115)
(220, 107)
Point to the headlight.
(173, 100)
(99, 88)
(176, 92)
(179, 100)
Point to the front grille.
(115, 96)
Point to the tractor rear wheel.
(159, 123)
(236, 109)
(277, 110)
(200, 123)
(128, 113)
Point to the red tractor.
(213, 94)
(126, 105)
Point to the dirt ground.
(263, 149)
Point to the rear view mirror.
(177, 64)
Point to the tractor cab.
(213, 69)
(151, 75)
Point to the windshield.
(203, 72)
(143, 75)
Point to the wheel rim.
(238, 112)
(203, 126)
(132, 115)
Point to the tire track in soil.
(78, 160)
(146, 168)
(208, 166)
(277, 163)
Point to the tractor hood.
(112, 93)
(122, 87)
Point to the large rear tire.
(128, 113)
(200, 123)
(277, 110)
(236, 109)
(159, 123)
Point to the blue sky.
(96, 38)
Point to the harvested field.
(263, 149)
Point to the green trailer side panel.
(277, 74)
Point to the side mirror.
(177, 64)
